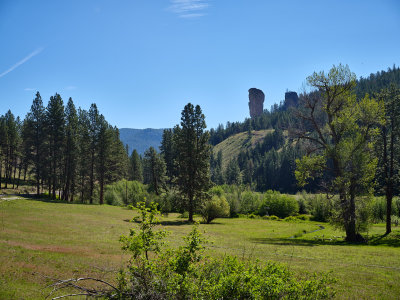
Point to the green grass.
(232, 146)
(40, 240)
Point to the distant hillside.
(141, 139)
(232, 146)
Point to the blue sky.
(142, 61)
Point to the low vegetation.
(37, 247)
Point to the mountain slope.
(232, 146)
(141, 139)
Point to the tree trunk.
(15, 172)
(19, 173)
(190, 208)
(6, 170)
(25, 170)
(101, 189)
(91, 179)
(1, 169)
(352, 235)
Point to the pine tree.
(55, 120)
(93, 134)
(136, 172)
(192, 157)
(35, 126)
(154, 170)
(84, 154)
(71, 151)
(167, 150)
(389, 146)
(104, 140)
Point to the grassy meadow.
(41, 241)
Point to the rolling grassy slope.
(40, 240)
(232, 146)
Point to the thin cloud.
(29, 89)
(70, 87)
(22, 61)
(189, 8)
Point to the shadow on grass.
(297, 242)
(44, 198)
(164, 223)
(391, 240)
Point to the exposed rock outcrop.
(256, 102)
(291, 99)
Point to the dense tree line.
(271, 164)
(279, 116)
(64, 151)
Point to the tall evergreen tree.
(135, 169)
(35, 126)
(55, 120)
(154, 170)
(93, 135)
(104, 141)
(192, 157)
(232, 173)
(84, 154)
(389, 147)
(71, 151)
(3, 139)
(167, 150)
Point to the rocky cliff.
(291, 99)
(256, 102)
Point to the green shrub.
(303, 217)
(302, 201)
(184, 215)
(111, 197)
(125, 192)
(272, 218)
(217, 191)
(216, 207)
(378, 209)
(250, 202)
(275, 203)
(234, 205)
(321, 208)
(291, 219)
(185, 274)
(396, 206)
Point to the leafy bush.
(185, 274)
(234, 205)
(302, 200)
(156, 272)
(125, 192)
(378, 209)
(321, 208)
(112, 197)
(216, 207)
(291, 219)
(250, 202)
(275, 203)
(303, 217)
(272, 218)
(396, 206)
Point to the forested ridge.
(342, 147)
(271, 163)
(69, 153)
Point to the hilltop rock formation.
(256, 102)
(291, 99)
